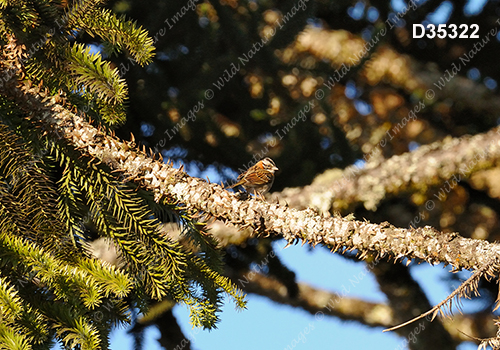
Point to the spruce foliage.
(54, 200)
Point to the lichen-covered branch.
(305, 226)
(315, 301)
(339, 304)
(452, 160)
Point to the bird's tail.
(234, 185)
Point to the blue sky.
(277, 326)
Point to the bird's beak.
(275, 168)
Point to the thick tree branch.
(338, 304)
(213, 201)
(314, 300)
(430, 165)
(265, 218)
(443, 163)
(407, 299)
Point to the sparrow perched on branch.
(259, 178)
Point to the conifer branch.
(196, 195)
(466, 289)
(265, 218)
(91, 196)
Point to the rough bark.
(336, 304)
(306, 226)
(444, 163)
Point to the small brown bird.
(259, 178)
